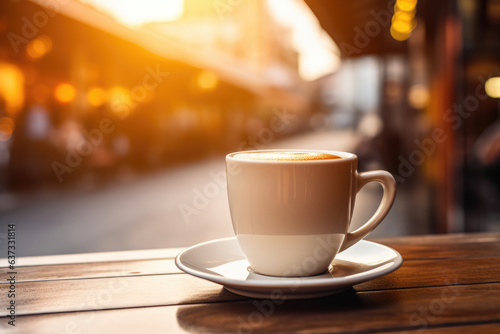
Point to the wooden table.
(447, 284)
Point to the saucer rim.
(285, 282)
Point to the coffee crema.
(285, 156)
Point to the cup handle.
(389, 185)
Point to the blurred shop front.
(419, 82)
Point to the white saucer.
(222, 261)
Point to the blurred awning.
(155, 42)
(158, 44)
(359, 27)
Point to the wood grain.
(449, 246)
(438, 272)
(428, 252)
(414, 310)
(428, 246)
(109, 293)
(133, 291)
(480, 328)
(447, 284)
(416, 273)
(93, 270)
(432, 239)
(166, 253)
(374, 311)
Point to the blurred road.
(177, 207)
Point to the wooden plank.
(448, 245)
(411, 274)
(480, 328)
(92, 270)
(63, 295)
(166, 253)
(438, 272)
(432, 239)
(435, 310)
(411, 252)
(108, 293)
(121, 268)
(350, 311)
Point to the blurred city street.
(115, 116)
(147, 212)
(115, 121)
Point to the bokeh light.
(398, 36)
(65, 93)
(403, 16)
(405, 5)
(403, 27)
(11, 87)
(96, 96)
(403, 20)
(38, 47)
(492, 87)
(418, 96)
(119, 99)
(207, 80)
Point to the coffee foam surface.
(286, 156)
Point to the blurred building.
(436, 121)
(91, 90)
(200, 82)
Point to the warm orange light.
(406, 5)
(418, 96)
(6, 128)
(39, 47)
(207, 80)
(11, 87)
(398, 36)
(403, 16)
(96, 96)
(403, 20)
(403, 27)
(65, 93)
(120, 100)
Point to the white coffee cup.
(291, 218)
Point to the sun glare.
(318, 53)
(136, 13)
